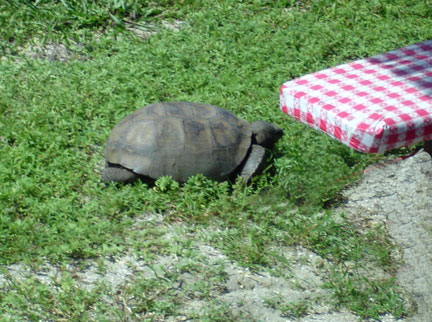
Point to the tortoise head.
(265, 134)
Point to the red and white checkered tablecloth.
(373, 104)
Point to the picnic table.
(373, 104)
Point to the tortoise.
(182, 139)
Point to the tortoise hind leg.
(118, 174)
(254, 163)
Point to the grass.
(293, 310)
(56, 116)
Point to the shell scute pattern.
(198, 132)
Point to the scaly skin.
(255, 161)
(118, 174)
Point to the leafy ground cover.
(56, 116)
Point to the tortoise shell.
(179, 139)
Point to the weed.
(366, 297)
(291, 309)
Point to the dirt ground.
(399, 194)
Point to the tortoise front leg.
(254, 163)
